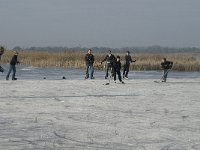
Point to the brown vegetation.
(69, 59)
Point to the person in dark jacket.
(89, 60)
(126, 66)
(13, 62)
(117, 70)
(1, 53)
(110, 59)
(166, 66)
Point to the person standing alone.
(89, 60)
(166, 66)
(126, 66)
(13, 62)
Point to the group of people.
(113, 65)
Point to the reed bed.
(70, 59)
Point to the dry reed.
(182, 62)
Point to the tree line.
(148, 49)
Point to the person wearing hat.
(110, 59)
(89, 60)
(126, 66)
(2, 50)
(13, 62)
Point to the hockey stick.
(163, 76)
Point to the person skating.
(117, 70)
(110, 59)
(126, 65)
(89, 60)
(166, 66)
(2, 50)
(13, 62)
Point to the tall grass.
(69, 59)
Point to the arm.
(17, 62)
(86, 58)
(120, 66)
(131, 60)
(91, 59)
(162, 65)
(170, 65)
(104, 59)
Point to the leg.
(14, 72)
(107, 69)
(124, 71)
(165, 75)
(91, 72)
(114, 73)
(87, 71)
(119, 75)
(10, 69)
(112, 70)
(127, 71)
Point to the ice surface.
(55, 114)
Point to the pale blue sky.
(110, 23)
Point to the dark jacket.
(166, 65)
(110, 59)
(1, 53)
(128, 60)
(117, 65)
(89, 59)
(14, 60)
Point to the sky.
(101, 23)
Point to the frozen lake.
(78, 114)
(70, 74)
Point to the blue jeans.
(12, 68)
(165, 73)
(91, 68)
